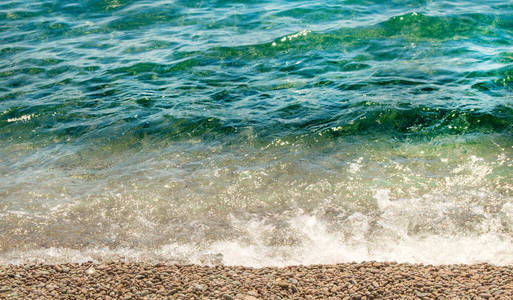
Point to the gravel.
(370, 280)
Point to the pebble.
(367, 280)
(90, 271)
(245, 297)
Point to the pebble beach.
(368, 280)
(230, 149)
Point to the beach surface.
(256, 133)
(368, 280)
(262, 134)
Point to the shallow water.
(256, 132)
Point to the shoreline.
(367, 280)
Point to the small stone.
(282, 283)
(253, 293)
(90, 271)
(227, 297)
(236, 282)
(356, 296)
(421, 295)
(245, 297)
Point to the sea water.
(256, 133)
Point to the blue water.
(256, 132)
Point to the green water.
(256, 132)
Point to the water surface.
(256, 132)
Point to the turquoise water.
(256, 132)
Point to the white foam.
(403, 204)
(22, 118)
(383, 198)
(318, 246)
